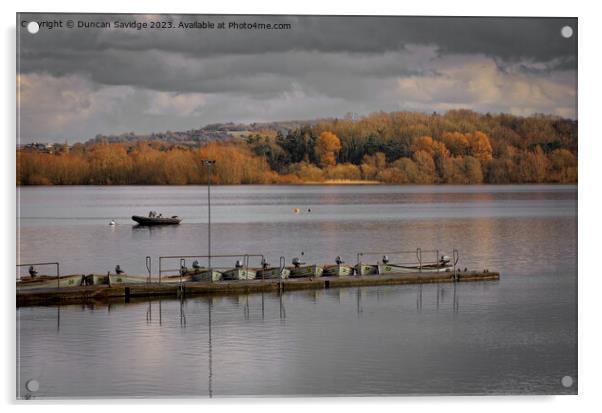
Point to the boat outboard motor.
(339, 260)
(385, 259)
(32, 271)
(297, 262)
(118, 269)
(196, 265)
(238, 264)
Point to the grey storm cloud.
(508, 38)
(112, 80)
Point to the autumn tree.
(563, 166)
(327, 147)
(456, 142)
(343, 171)
(426, 167)
(480, 146)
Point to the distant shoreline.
(319, 183)
(341, 182)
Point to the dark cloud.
(322, 66)
(508, 38)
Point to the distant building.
(45, 147)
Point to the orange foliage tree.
(327, 147)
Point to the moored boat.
(206, 274)
(126, 279)
(77, 280)
(442, 265)
(300, 269)
(267, 271)
(400, 269)
(366, 269)
(339, 269)
(48, 281)
(307, 271)
(240, 274)
(273, 272)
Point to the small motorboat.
(443, 264)
(206, 274)
(339, 269)
(157, 220)
(366, 269)
(239, 272)
(200, 273)
(273, 272)
(300, 269)
(267, 271)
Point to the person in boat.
(118, 270)
(32, 271)
(151, 214)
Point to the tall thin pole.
(209, 165)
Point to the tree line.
(459, 147)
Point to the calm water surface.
(518, 335)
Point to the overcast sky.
(76, 83)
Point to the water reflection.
(282, 308)
(182, 314)
(359, 307)
(210, 349)
(350, 332)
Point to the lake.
(513, 336)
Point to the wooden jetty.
(84, 293)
